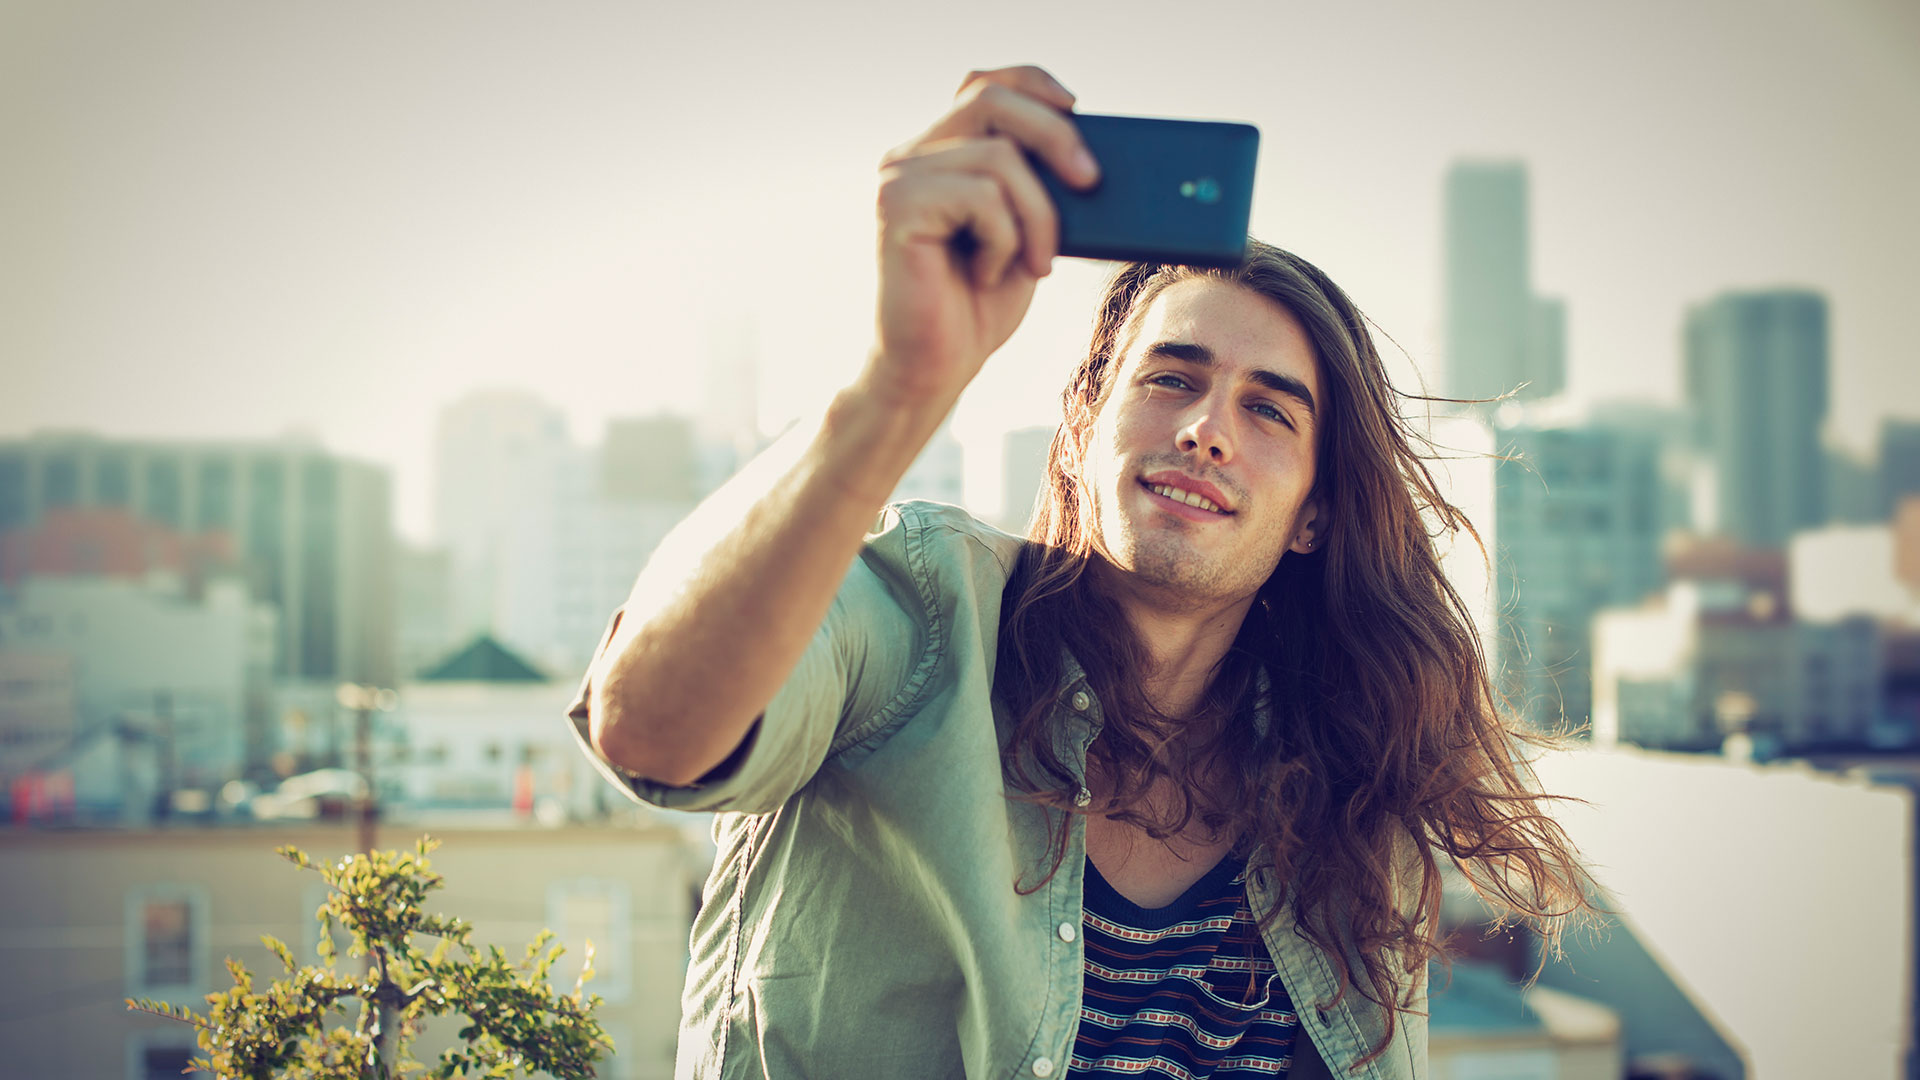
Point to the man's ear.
(1310, 530)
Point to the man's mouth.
(1189, 498)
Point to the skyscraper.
(1756, 378)
(1898, 466)
(1498, 334)
(1579, 513)
(545, 536)
(499, 456)
(314, 530)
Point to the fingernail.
(1084, 164)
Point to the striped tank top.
(1183, 991)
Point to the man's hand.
(966, 230)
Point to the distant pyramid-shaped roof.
(485, 660)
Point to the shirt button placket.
(1043, 1067)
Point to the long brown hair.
(1381, 720)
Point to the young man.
(1155, 792)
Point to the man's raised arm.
(966, 230)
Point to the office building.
(1756, 377)
(544, 536)
(498, 460)
(130, 690)
(1500, 337)
(312, 530)
(423, 598)
(1899, 463)
(1708, 661)
(1579, 518)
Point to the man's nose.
(1206, 433)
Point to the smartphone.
(1170, 191)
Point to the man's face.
(1212, 398)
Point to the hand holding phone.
(967, 229)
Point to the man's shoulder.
(942, 539)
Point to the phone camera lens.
(1205, 190)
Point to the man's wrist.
(872, 436)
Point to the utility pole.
(364, 701)
(380, 1014)
(167, 764)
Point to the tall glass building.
(1756, 378)
(1500, 337)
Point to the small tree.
(302, 1025)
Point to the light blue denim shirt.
(861, 919)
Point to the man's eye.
(1271, 413)
(1172, 382)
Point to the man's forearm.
(699, 655)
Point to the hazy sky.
(236, 219)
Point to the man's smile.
(1184, 504)
(1185, 492)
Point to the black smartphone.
(1170, 191)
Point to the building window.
(113, 479)
(163, 491)
(319, 559)
(13, 490)
(586, 909)
(161, 1054)
(166, 928)
(266, 536)
(166, 943)
(166, 1062)
(216, 494)
(62, 480)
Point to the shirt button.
(1082, 797)
(1043, 1067)
(1066, 931)
(1080, 702)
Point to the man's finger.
(993, 109)
(1000, 158)
(969, 212)
(995, 229)
(1030, 80)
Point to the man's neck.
(1184, 641)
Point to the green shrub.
(304, 1025)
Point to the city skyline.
(405, 206)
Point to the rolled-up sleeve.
(857, 678)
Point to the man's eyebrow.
(1201, 356)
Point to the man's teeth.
(1187, 497)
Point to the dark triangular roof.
(485, 660)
